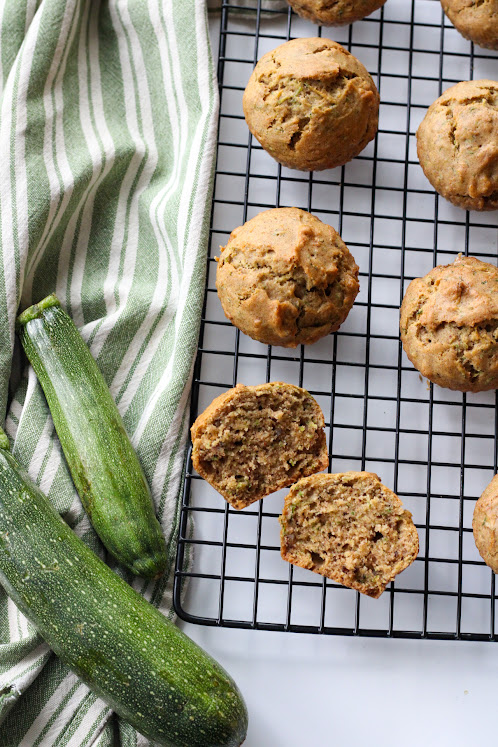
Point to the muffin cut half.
(350, 528)
(254, 440)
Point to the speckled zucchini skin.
(103, 463)
(141, 664)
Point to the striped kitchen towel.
(107, 140)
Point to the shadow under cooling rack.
(435, 448)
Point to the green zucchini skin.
(126, 651)
(102, 461)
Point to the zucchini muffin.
(476, 20)
(254, 440)
(449, 325)
(485, 525)
(335, 12)
(285, 278)
(311, 104)
(457, 144)
(350, 528)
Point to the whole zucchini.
(141, 664)
(103, 463)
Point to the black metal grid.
(437, 449)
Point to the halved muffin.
(254, 440)
(350, 528)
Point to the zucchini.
(126, 651)
(102, 461)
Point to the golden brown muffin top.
(457, 143)
(311, 104)
(449, 325)
(476, 20)
(485, 525)
(285, 278)
(465, 292)
(335, 12)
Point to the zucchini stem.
(36, 311)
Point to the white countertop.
(345, 692)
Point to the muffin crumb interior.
(264, 439)
(350, 528)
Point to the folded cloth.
(107, 139)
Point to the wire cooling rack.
(435, 448)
